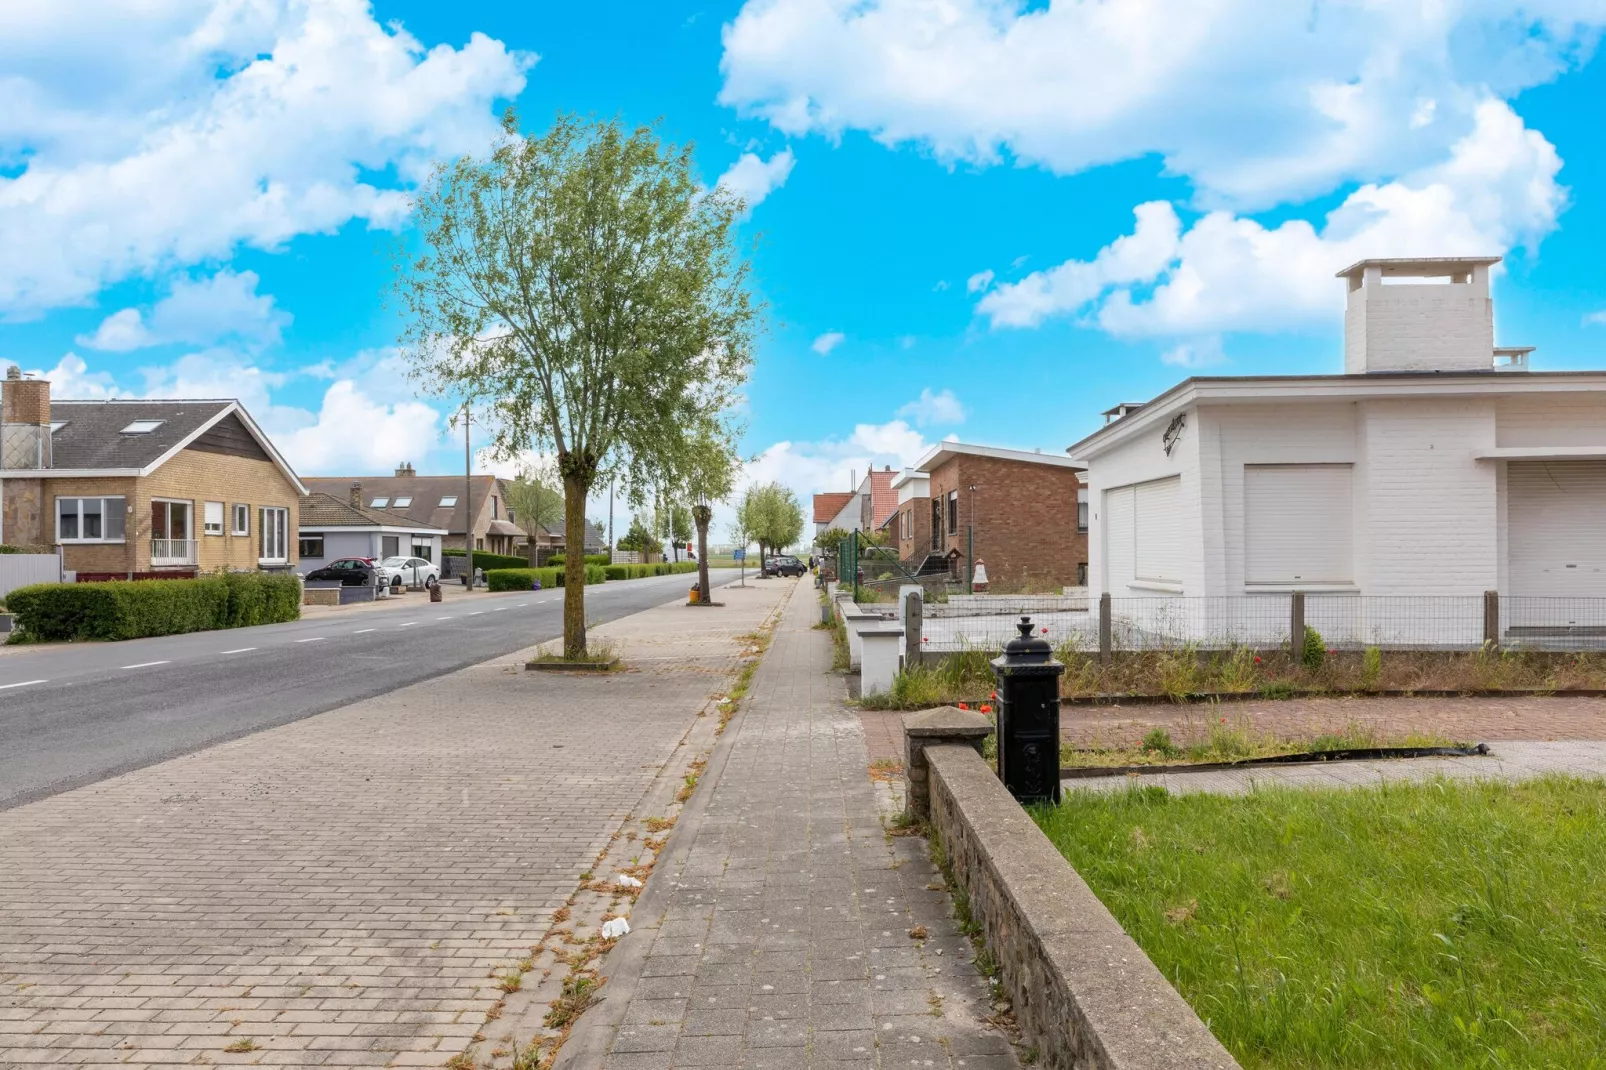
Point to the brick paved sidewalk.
(339, 891)
(782, 938)
(1507, 761)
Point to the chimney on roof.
(405, 468)
(1421, 315)
(25, 416)
(355, 497)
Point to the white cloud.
(196, 312)
(1198, 354)
(752, 178)
(939, 408)
(137, 158)
(1596, 319)
(353, 432)
(828, 341)
(831, 464)
(1226, 272)
(979, 281)
(1257, 101)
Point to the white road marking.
(25, 683)
(443, 618)
(240, 650)
(520, 605)
(359, 631)
(498, 609)
(314, 639)
(478, 613)
(144, 664)
(409, 624)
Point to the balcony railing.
(173, 552)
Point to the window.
(496, 508)
(1081, 509)
(448, 501)
(907, 520)
(479, 544)
(142, 427)
(271, 534)
(90, 519)
(242, 520)
(404, 502)
(422, 549)
(172, 532)
(1081, 573)
(936, 524)
(953, 512)
(1297, 523)
(1158, 528)
(390, 546)
(379, 503)
(213, 518)
(311, 545)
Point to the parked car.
(784, 565)
(352, 572)
(411, 572)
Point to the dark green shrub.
(486, 560)
(618, 572)
(522, 579)
(261, 598)
(1313, 653)
(119, 609)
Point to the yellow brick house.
(131, 488)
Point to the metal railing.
(1341, 621)
(173, 551)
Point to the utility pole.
(468, 500)
(613, 489)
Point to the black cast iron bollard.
(1029, 717)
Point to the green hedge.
(657, 568)
(119, 609)
(556, 560)
(520, 579)
(486, 560)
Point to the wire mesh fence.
(1340, 621)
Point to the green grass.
(1435, 925)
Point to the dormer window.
(142, 427)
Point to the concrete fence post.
(913, 628)
(1106, 640)
(1296, 623)
(1491, 618)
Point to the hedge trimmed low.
(120, 609)
(657, 568)
(556, 560)
(486, 560)
(522, 579)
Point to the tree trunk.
(574, 568)
(701, 515)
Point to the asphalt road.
(72, 715)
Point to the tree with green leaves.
(772, 514)
(586, 288)
(705, 471)
(638, 539)
(535, 498)
(829, 539)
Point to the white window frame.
(403, 502)
(208, 525)
(1081, 510)
(448, 501)
(116, 505)
(308, 536)
(274, 536)
(381, 502)
(952, 516)
(241, 520)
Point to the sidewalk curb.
(587, 1046)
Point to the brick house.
(865, 508)
(911, 524)
(129, 488)
(1017, 512)
(438, 502)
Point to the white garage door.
(1297, 523)
(1556, 525)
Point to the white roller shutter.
(1159, 530)
(1556, 528)
(1118, 539)
(1297, 523)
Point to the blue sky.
(979, 218)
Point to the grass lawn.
(1446, 924)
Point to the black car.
(784, 566)
(348, 572)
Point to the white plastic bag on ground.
(625, 880)
(614, 928)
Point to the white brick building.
(1436, 465)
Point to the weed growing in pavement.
(659, 824)
(579, 992)
(602, 652)
(243, 1045)
(461, 1061)
(511, 982)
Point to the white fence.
(19, 570)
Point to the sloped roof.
(883, 498)
(320, 510)
(829, 504)
(91, 432)
(426, 493)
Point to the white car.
(410, 572)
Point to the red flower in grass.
(1045, 631)
(1257, 661)
(1334, 653)
(986, 708)
(1223, 720)
(925, 639)
(993, 696)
